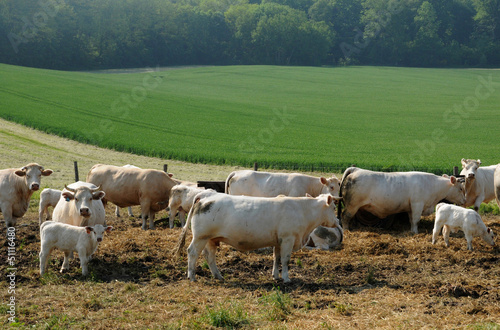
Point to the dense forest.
(93, 34)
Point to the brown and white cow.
(384, 194)
(479, 186)
(249, 223)
(16, 187)
(80, 204)
(132, 186)
(265, 184)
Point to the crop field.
(282, 117)
(377, 279)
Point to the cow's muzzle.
(471, 176)
(85, 212)
(35, 186)
(99, 239)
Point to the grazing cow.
(249, 223)
(181, 199)
(383, 194)
(479, 185)
(496, 181)
(132, 186)
(48, 197)
(265, 184)
(16, 188)
(453, 218)
(80, 205)
(69, 239)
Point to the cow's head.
(32, 174)
(329, 203)
(489, 236)
(98, 231)
(469, 168)
(330, 186)
(82, 197)
(456, 194)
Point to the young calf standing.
(48, 197)
(68, 238)
(452, 218)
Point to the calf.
(249, 223)
(325, 238)
(453, 218)
(181, 199)
(496, 182)
(69, 239)
(48, 197)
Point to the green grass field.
(283, 117)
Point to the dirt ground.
(378, 278)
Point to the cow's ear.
(98, 195)
(68, 196)
(308, 195)
(109, 228)
(20, 173)
(329, 200)
(446, 176)
(479, 161)
(323, 180)
(463, 162)
(47, 172)
(453, 179)
(89, 229)
(170, 175)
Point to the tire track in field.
(100, 115)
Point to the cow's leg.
(414, 215)
(469, 237)
(171, 216)
(145, 210)
(209, 253)
(276, 263)
(182, 217)
(44, 259)
(446, 235)
(84, 261)
(194, 251)
(151, 219)
(117, 212)
(477, 203)
(10, 221)
(130, 213)
(347, 215)
(65, 265)
(286, 253)
(437, 229)
(41, 210)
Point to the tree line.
(93, 34)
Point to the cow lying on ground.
(265, 184)
(479, 186)
(48, 197)
(453, 218)
(325, 238)
(383, 194)
(181, 199)
(249, 223)
(132, 186)
(69, 239)
(16, 188)
(80, 205)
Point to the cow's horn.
(69, 189)
(96, 189)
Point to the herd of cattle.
(258, 209)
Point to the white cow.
(80, 205)
(69, 239)
(48, 197)
(325, 238)
(181, 199)
(453, 218)
(249, 223)
(496, 182)
(16, 188)
(479, 186)
(383, 194)
(265, 184)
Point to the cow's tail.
(182, 238)
(228, 182)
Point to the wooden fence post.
(455, 171)
(255, 166)
(76, 171)
(165, 168)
